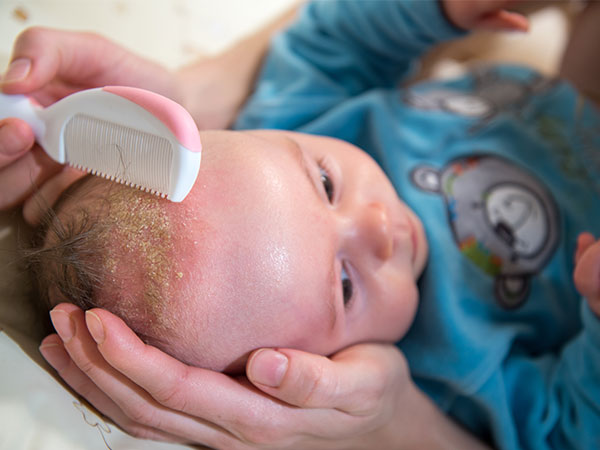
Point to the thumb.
(354, 380)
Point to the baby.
(255, 256)
(299, 240)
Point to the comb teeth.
(119, 180)
(117, 153)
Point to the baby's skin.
(285, 240)
(587, 270)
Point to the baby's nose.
(376, 230)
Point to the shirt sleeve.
(339, 49)
(575, 394)
(547, 401)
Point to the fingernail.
(64, 326)
(55, 355)
(17, 71)
(95, 326)
(268, 367)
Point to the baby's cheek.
(396, 306)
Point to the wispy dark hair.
(62, 258)
(65, 258)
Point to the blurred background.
(170, 31)
(175, 32)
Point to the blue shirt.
(503, 168)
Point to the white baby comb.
(125, 134)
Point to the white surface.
(37, 413)
(169, 31)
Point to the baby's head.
(286, 240)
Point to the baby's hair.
(78, 253)
(61, 256)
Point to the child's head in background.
(286, 240)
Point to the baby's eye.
(347, 288)
(327, 184)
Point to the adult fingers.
(19, 179)
(62, 62)
(211, 396)
(355, 380)
(16, 138)
(171, 382)
(138, 406)
(41, 54)
(53, 351)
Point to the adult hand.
(48, 65)
(490, 15)
(352, 400)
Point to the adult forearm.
(213, 89)
(421, 425)
(248, 54)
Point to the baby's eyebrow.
(298, 154)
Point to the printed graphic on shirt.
(503, 219)
(490, 95)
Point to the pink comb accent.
(172, 114)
